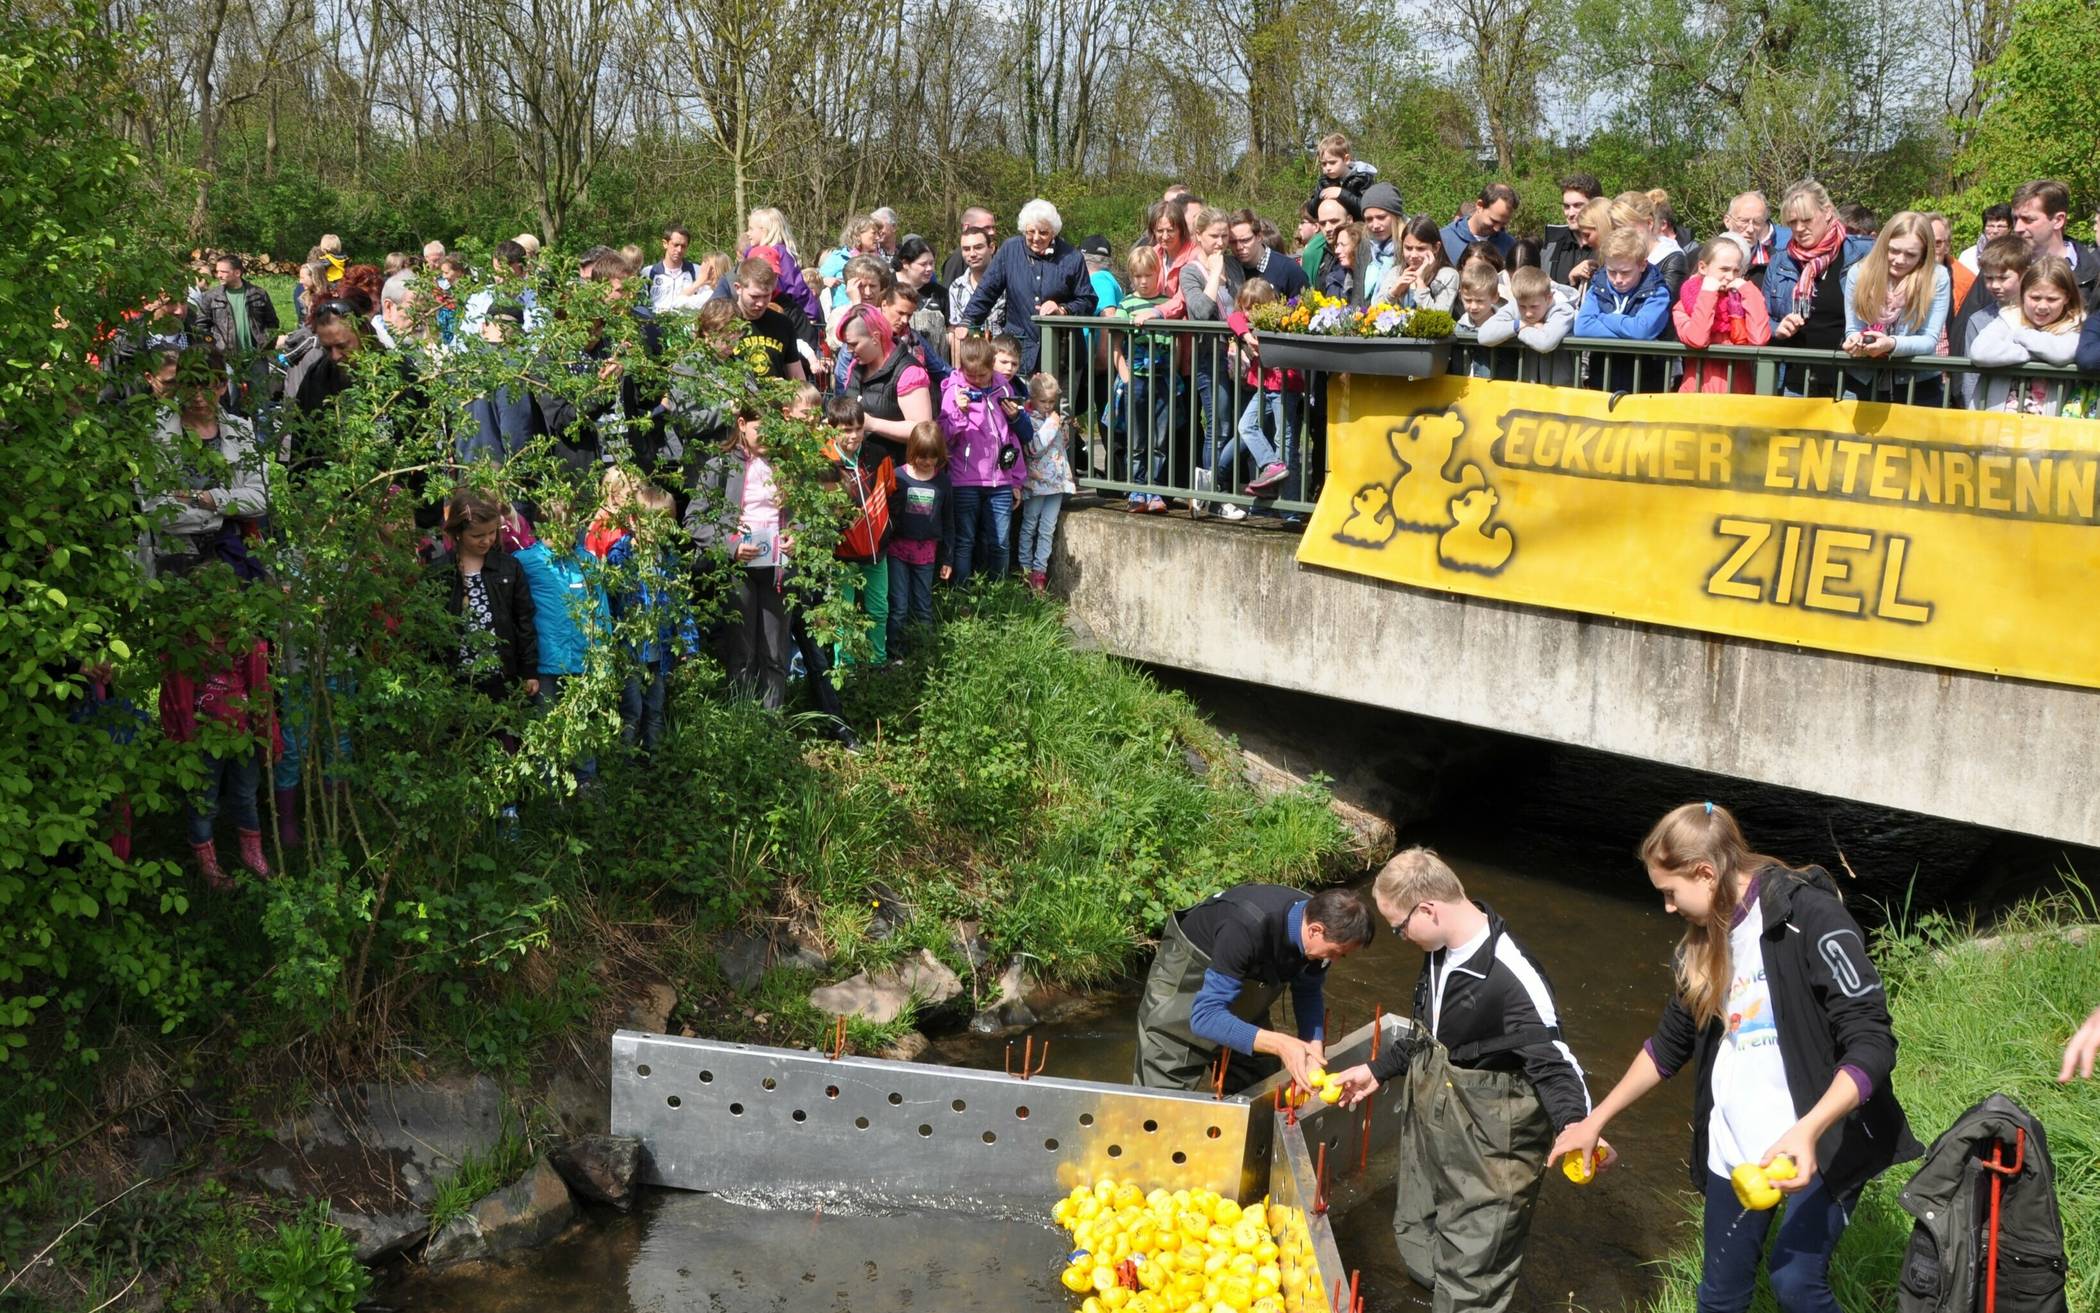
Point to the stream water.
(1543, 835)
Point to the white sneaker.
(1231, 511)
(1204, 483)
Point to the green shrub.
(307, 1266)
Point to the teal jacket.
(573, 612)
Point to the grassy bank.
(1058, 799)
(1972, 1018)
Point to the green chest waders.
(1170, 1056)
(1473, 1152)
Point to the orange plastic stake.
(1377, 1027)
(1320, 1189)
(838, 1039)
(1363, 1142)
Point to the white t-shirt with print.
(1752, 1105)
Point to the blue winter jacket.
(652, 595)
(1638, 315)
(571, 610)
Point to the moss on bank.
(1972, 1018)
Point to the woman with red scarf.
(1805, 285)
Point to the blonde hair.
(330, 243)
(1598, 214)
(1872, 292)
(617, 487)
(770, 226)
(1696, 834)
(1334, 143)
(1258, 291)
(1631, 207)
(1480, 277)
(1623, 244)
(1529, 281)
(1045, 390)
(1804, 197)
(1143, 264)
(1416, 876)
(806, 394)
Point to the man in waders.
(1489, 1083)
(1222, 963)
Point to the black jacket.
(510, 603)
(1498, 1015)
(1830, 1011)
(1562, 253)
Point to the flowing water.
(1544, 835)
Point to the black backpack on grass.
(1946, 1268)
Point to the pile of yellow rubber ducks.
(1181, 1251)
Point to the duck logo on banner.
(1433, 492)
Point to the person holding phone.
(1896, 302)
(1807, 278)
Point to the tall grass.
(1973, 1017)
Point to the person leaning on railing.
(1895, 306)
(1805, 285)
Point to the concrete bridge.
(1231, 600)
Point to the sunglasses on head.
(338, 307)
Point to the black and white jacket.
(1832, 1015)
(1498, 1015)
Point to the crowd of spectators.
(956, 435)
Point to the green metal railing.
(1140, 398)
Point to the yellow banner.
(1949, 538)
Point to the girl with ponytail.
(1780, 1015)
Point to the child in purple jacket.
(983, 460)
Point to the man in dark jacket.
(1490, 1082)
(239, 315)
(1564, 250)
(1040, 274)
(1222, 963)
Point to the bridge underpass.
(1232, 601)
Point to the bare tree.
(558, 75)
(746, 58)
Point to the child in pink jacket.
(984, 461)
(1719, 307)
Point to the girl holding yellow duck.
(1781, 1016)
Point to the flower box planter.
(1402, 357)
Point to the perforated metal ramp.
(773, 1128)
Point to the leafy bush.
(308, 1266)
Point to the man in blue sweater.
(1488, 221)
(1222, 963)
